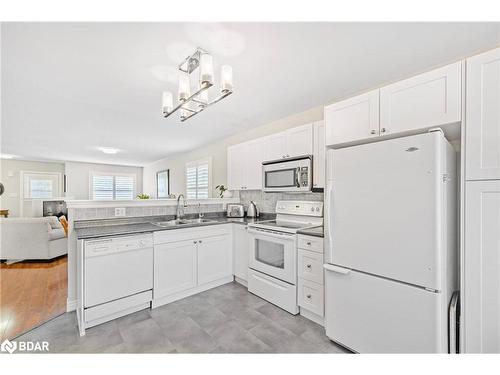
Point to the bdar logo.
(8, 346)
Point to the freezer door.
(370, 314)
(384, 211)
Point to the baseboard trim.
(241, 281)
(312, 316)
(71, 305)
(190, 292)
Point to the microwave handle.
(297, 182)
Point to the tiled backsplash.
(107, 213)
(266, 202)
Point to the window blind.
(109, 187)
(198, 179)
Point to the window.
(105, 186)
(198, 179)
(39, 185)
(162, 184)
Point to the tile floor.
(226, 319)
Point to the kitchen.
(349, 226)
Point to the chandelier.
(191, 102)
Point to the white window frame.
(196, 163)
(98, 173)
(23, 198)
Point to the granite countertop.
(313, 231)
(87, 229)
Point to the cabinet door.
(299, 141)
(235, 167)
(481, 308)
(430, 99)
(241, 249)
(255, 151)
(352, 119)
(482, 142)
(215, 259)
(276, 146)
(174, 267)
(319, 160)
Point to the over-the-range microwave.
(289, 175)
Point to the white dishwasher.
(117, 277)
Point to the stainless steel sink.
(180, 222)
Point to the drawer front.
(311, 297)
(311, 266)
(273, 290)
(311, 243)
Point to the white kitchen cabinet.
(244, 165)
(275, 146)
(352, 119)
(319, 159)
(236, 167)
(481, 294)
(430, 99)
(299, 141)
(482, 131)
(215, 258)
(241, 249)
(174, 267)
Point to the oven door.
(273, 253)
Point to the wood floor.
(30, 294)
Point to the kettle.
(252, 211)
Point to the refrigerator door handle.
(329, 193)
(331, 267)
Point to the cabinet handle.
(383, 130)
(287, 155)
(309, 266)
(200, 241)
(308, 296)
(373, 131)
(309, 243)
(283, 156)
(195, 241)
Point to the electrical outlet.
(120, 211)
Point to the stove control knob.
(312, 209)
(317, 209)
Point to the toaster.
(235, 210)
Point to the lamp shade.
(226, 78)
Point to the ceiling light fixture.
(192, 103)
(109, 150)
(7, 156)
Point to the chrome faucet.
(180, 212)
(200, 214)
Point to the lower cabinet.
(241, 248)
(174, 267)
(188, 261)
(215, 260)
(481, 285)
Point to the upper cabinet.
(482, 133)
(244, 165)
(353, 119)
(421, 102)
(296, 141)
(319, 160)
(430, 99)
(244, 160)
(299, 141)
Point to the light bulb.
(184, 86)
(226, 78)
(206, 69)
(168, 102)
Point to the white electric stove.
(273, 253)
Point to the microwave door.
(281, 179)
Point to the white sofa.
(32, 238)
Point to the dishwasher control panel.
(112, 245)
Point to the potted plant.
(223, 191)
(143, 196)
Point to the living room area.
(34, 232)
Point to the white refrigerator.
(391, 248)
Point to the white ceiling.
(69, 88)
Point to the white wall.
(11, 179)
(78, 177)
(218, 152)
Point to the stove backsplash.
(266, 202)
